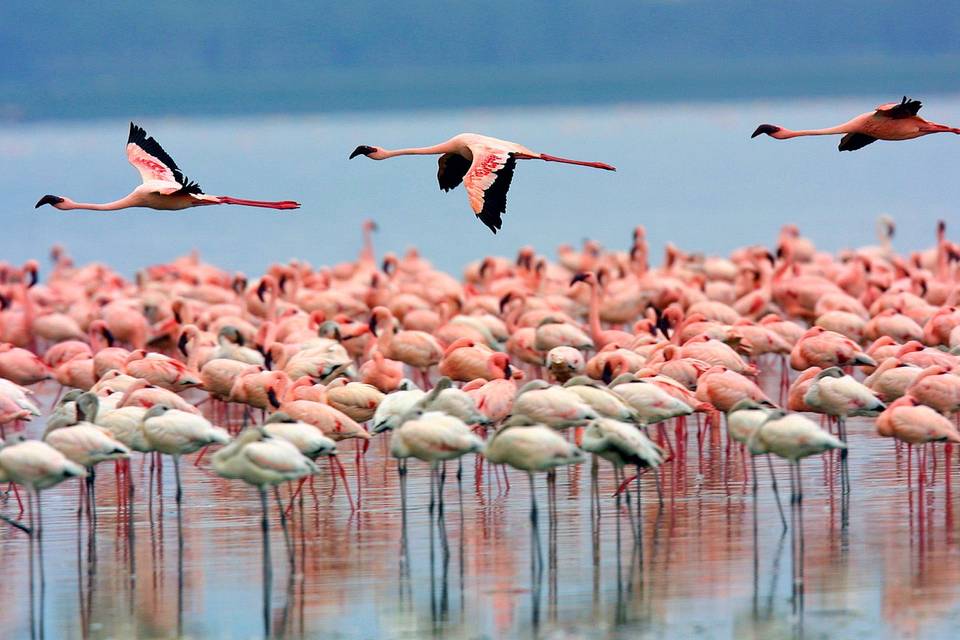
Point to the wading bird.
(892, 121)
(483, 164)
(164, 185)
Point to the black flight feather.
(906, 109)
(452, 168)
(139, 137)
(854, 141)
(495, 197)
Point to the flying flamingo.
(164, 186)
(892, 121)
(485, 166)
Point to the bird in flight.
(164, 185)
(483, 164)
(893, 121)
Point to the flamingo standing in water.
(164, 185)
(483, 164)
(892, 121)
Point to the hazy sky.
(93, 59)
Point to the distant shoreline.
(366, 90)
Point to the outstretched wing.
(155, 165)
(452, 168)
(487, 182)
(854, 141)
(906, 108)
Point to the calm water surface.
(690, 173)
(704, 569)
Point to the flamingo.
(793, 437)
(651, 403)
(565, 363)
(164, 187)
(909, 421)
(306, 437)
(87, 444)
(553, 406)
(22, 366)
(743, 420)
(393, 408)
(261, 461)
(433, 437)
(37, 466)
(418, 349)
(605, 402)
(381, 372)
(891, 121)
(936, 388)
(494, 398)
(483, 164)
(621, 444)
(175, 433)
(531, 447)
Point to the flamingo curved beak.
(362, 150)
(607, 375)
(48, 199)
(768, 129)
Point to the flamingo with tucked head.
(164, 186)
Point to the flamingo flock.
(526, 363)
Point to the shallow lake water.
(884, 565)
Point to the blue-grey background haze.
(265, 100)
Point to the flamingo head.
(499, 366)
(367, 150)
(770, 129)
(53, 201)
(584, 276)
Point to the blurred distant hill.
(91, 59)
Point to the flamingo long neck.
(122, 203)
(595, 328)
(133, 388)
(784, 134)
(385, 338)
(443, 147)
(367, 254)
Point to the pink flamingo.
(936, 387)
(914, 423)
(418, 349)
(22, 366)
(463, 361)
(892, 121)
(483, 164)
(164, 186)
(600, 336)
(382, 373)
